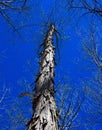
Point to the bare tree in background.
(85, 7)
(94, 90)
(69, 107)
(93, 51)
(79, 9)
(11, 5)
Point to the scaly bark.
(45, 115)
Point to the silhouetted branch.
(11, 5)
(94, 7)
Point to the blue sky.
(18, 55)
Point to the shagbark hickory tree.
(45, 115)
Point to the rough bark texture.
(45, 115)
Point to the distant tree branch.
(3, 95)
(9, 5)
(6, 5)
(94, 7)
(93, 51)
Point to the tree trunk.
(45, 115)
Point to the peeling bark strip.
(45, 115)
(46, 75)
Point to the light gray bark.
(45, 115)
